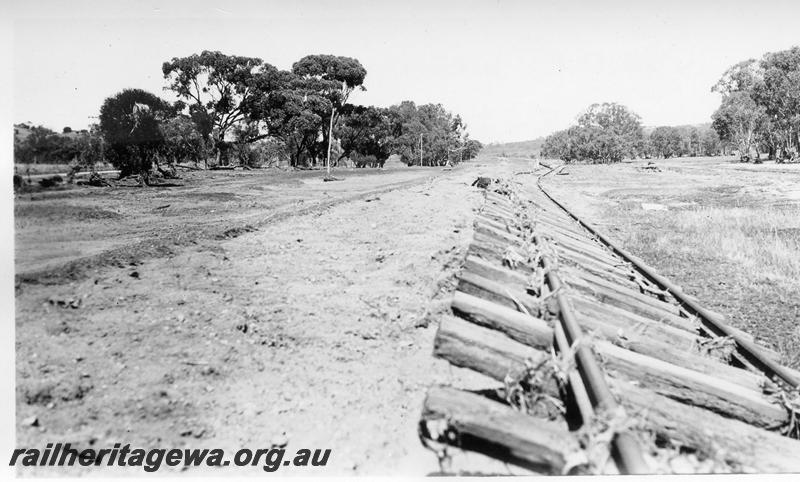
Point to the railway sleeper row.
(597, 368)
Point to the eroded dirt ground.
(315, 331)
(728, 233)
(99, 226)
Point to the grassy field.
(728, 233)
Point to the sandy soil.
(315, 330)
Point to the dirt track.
(62, 234)
(314, 326)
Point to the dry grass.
(765, 241)
(729, 236)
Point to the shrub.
(51, 181)
(130, 124)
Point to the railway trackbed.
(163, 239)
(606, 366)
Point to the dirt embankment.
(313, 331)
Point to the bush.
(51, 181)
(130, 124)
(263, 153)
(361, 161)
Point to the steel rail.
(626, 450)
(749, 350)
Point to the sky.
(514, 70)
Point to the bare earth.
(315, 330)
(54, 228)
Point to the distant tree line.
(40, 145)
(760, 108)
(610, 132)
(240, 110)
(683, 141)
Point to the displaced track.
(607, 366)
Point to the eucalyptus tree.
(617, 121)
(364, 131)
(779, 95)
(337, 77)
(605, 133)
(739, 119)
(763, 93)
(217, 90)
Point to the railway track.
(604, 366)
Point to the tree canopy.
(130, 125)
(427, 135)
(760, 107)
(346, 73)
(239, 109)
(605, 133)
(216, 89)
(364, 132)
